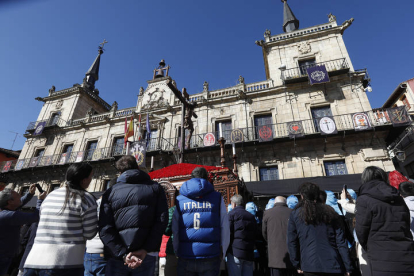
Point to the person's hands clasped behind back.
(134, 259)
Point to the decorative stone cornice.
(77, 90)
(311, 31)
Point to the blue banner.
(39, 128)
(317, 74)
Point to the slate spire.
(290, 22)
(93, 73)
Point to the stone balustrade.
(301, 32)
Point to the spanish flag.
(129, 131)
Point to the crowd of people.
(131, 231)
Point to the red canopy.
(182, 169)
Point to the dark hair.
(312, 210)
(74, 176)
(76, 173)
(322, 196)
(406, 188)
(373, 173)
(199, 172)
(126, 162)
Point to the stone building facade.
(401, 143)
(79, 126)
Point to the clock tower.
(157, 95)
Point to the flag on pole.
(126, 125)
(125, 131)
(148, 130)
(139, 128)
(130, 131)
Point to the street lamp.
(400, 155)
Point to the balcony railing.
(63, 158)
(299, 74)
(343, 122)
(51, 122)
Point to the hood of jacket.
(292, 201)
(379, 190)
(352, 194)
(270, 204)
(332, 201)
(196, 187)
(134, 177)
(251, 208)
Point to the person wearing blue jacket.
(316, 242)
(11, 219)
(132, 219)
(200, 227)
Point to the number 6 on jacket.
(196, 221)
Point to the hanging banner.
(79, 156)
(361, 121)
(236, 136)
(327, 126)
(33, 162)
(47, 160)
(39, 128)
(63, 158)
(265, 133)
(139, 151)
(381, 117)
(399, 116)
(295, 130)
(19, 165)
(97, 154)
(317, 74)
(209, 139)
(7, 166)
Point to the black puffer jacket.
(383, 229)
(133, 214)
(242, 233)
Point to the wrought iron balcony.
(62, 159)
(343, 122)
(299, 74)
(279, 131)
(51, 122)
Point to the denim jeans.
(115, 267)
(94, 264)
(239, 267)
(198, 267)
(53, 272)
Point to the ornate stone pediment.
(156, 96)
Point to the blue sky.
(45, 43)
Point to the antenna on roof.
(15, 137)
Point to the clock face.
(327, 125)
(155, 95)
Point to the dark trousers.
(53, 272)
(282, 272)
(198, 267)
(322, 274)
